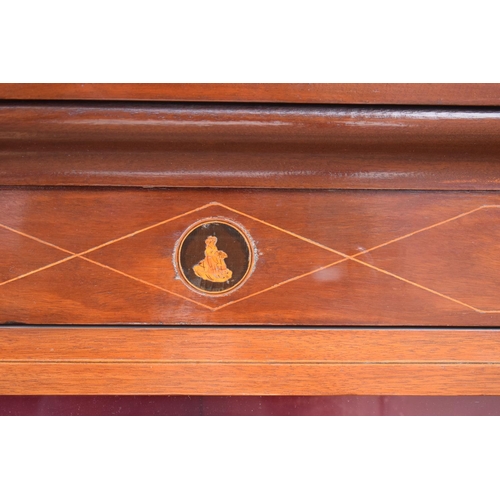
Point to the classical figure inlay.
(213, 267)
(228, 251)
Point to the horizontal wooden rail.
(225, 146)
(465, 94)
(246, 361)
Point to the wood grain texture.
(248, 345)
(377, 93)
(248, 361)
(324, 258)
(225, 146)
(244, 379)
(356, 213)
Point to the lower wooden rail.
(248, 361)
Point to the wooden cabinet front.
(329, 258)
(222, 249)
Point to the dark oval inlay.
(214, 256)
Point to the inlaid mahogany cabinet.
(280, 240)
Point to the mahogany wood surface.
(248, 345)
(337, 93)
(242, 146)
(248, 361)
(364, 210)
(400, 258)
(248, 379)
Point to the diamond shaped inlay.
(458, 258)
(455, 259)
(21, 255)
(149, 256)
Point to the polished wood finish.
(237, 146)
(248, 345)
(464, 94)
(248, 379)
(248, 361)
(364, 213)
(323, 258)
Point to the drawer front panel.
(251, 257)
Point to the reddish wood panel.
(248, 345)
(464, 94)
(454, 259)
(248, 379)
(322, 258)
(222, 146)
(214, 361)
(15, 263)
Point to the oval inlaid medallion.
(214, 256)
